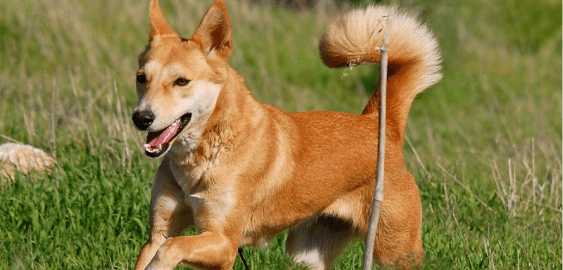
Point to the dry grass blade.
(464, 240)
(464, 187)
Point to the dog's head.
(179, 80)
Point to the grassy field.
(484, 144)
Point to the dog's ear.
(159, 25)
(214, 32)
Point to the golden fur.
(242, 171)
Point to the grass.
(484, 144)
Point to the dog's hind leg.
(168, 215)
(318, 241)
(398, 240)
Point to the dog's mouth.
(159, 142)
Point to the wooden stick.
(378, 193)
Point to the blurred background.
(484, 144)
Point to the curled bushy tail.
(414, 59)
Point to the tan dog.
(242, 171)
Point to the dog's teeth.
(149, 149)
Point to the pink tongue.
(165, 136)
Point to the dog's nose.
(143, 119)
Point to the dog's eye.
(141, 78)
(181, 82)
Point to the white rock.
(19, 157)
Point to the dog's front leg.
(208, 250)
(168, 215)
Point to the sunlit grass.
(484, 144)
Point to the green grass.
(484, 144)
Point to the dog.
(242, 171)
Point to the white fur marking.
(194, 201)
(201, 103)
(153, 67)
(311, 257)
(218, 203)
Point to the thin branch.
(378, 194)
